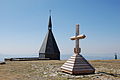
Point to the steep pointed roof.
(50, 24)
(49, 45)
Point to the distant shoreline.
(63, 57)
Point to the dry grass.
(50, 70)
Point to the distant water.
(91, 57)
(2, 56)
(66, 56)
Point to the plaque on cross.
(77, 36)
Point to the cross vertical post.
(77, 33)
(77, 50)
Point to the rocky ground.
(50, 70)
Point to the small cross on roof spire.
(50, 12)
(50, 22)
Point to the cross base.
(77, 65)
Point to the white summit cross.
(77, 64)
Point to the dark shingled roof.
(49, 46)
